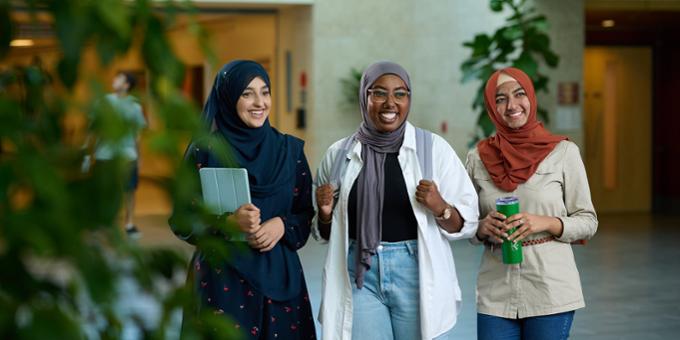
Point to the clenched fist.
(324, 201)
(428, 195)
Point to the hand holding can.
(512, 251)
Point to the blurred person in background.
(129, 111)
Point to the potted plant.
(522, 42)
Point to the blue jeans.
(548, 327)
(388, 305)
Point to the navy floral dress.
(263, 293)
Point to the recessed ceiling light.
(608, 23)
(21, 43)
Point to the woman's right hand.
(324, 201)
(492, 228)
(247, 217)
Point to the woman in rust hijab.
(537, 298)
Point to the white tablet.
(225, 189)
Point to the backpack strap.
(340, 163)
(424, 152)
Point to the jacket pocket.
(545, 178)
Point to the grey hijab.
(371, 182)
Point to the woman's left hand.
(528, 224)
(428, 195)
(268, 235)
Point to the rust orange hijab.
(512, 155)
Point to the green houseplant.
(62, 253)
(522, 42)
(350, 88)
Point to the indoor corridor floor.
(630, 273)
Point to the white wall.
(426, 38)
(567, 33)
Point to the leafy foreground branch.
(68, 272)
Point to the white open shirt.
(440, 294)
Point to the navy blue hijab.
(262, 151)
(271, 159)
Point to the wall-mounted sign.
(567, 93)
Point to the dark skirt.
(225, 292)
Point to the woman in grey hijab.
(389, 271)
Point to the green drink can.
(512, 251)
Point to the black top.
(399, 222)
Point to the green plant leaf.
(480, 45)
(114, 14)
(478, 102)
(551, 58)
(537, 41)
(56, 210)
(471, 74)
(496, 5)
(538, 22)
(68, 72)
(513, 32)
(48, 321)
(540, 83)
(486, 124)
(350, 88)
(526, 63)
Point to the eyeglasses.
(380, 96)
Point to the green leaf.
(48, 322)
(55, 210)
(551, 58)
(469, 64)
(540, 83)
(480, 45)
(539, 23)
(115, 15)
(526, 63)
(496, 5)
(98, 277)
(513, 32)
(350, 87)
(165, 261)
(486, 124)
(72, 34)
(7, 315)
(68, 71)
(470, 74)
(478, 102)
(504, 46)
(537, 41)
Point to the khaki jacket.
(547, 281)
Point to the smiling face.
(387, 116)
(254, 104)
(512, 104)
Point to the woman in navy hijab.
(262, 289)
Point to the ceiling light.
(608, 23)
(21, 43)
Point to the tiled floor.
(630, 273)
